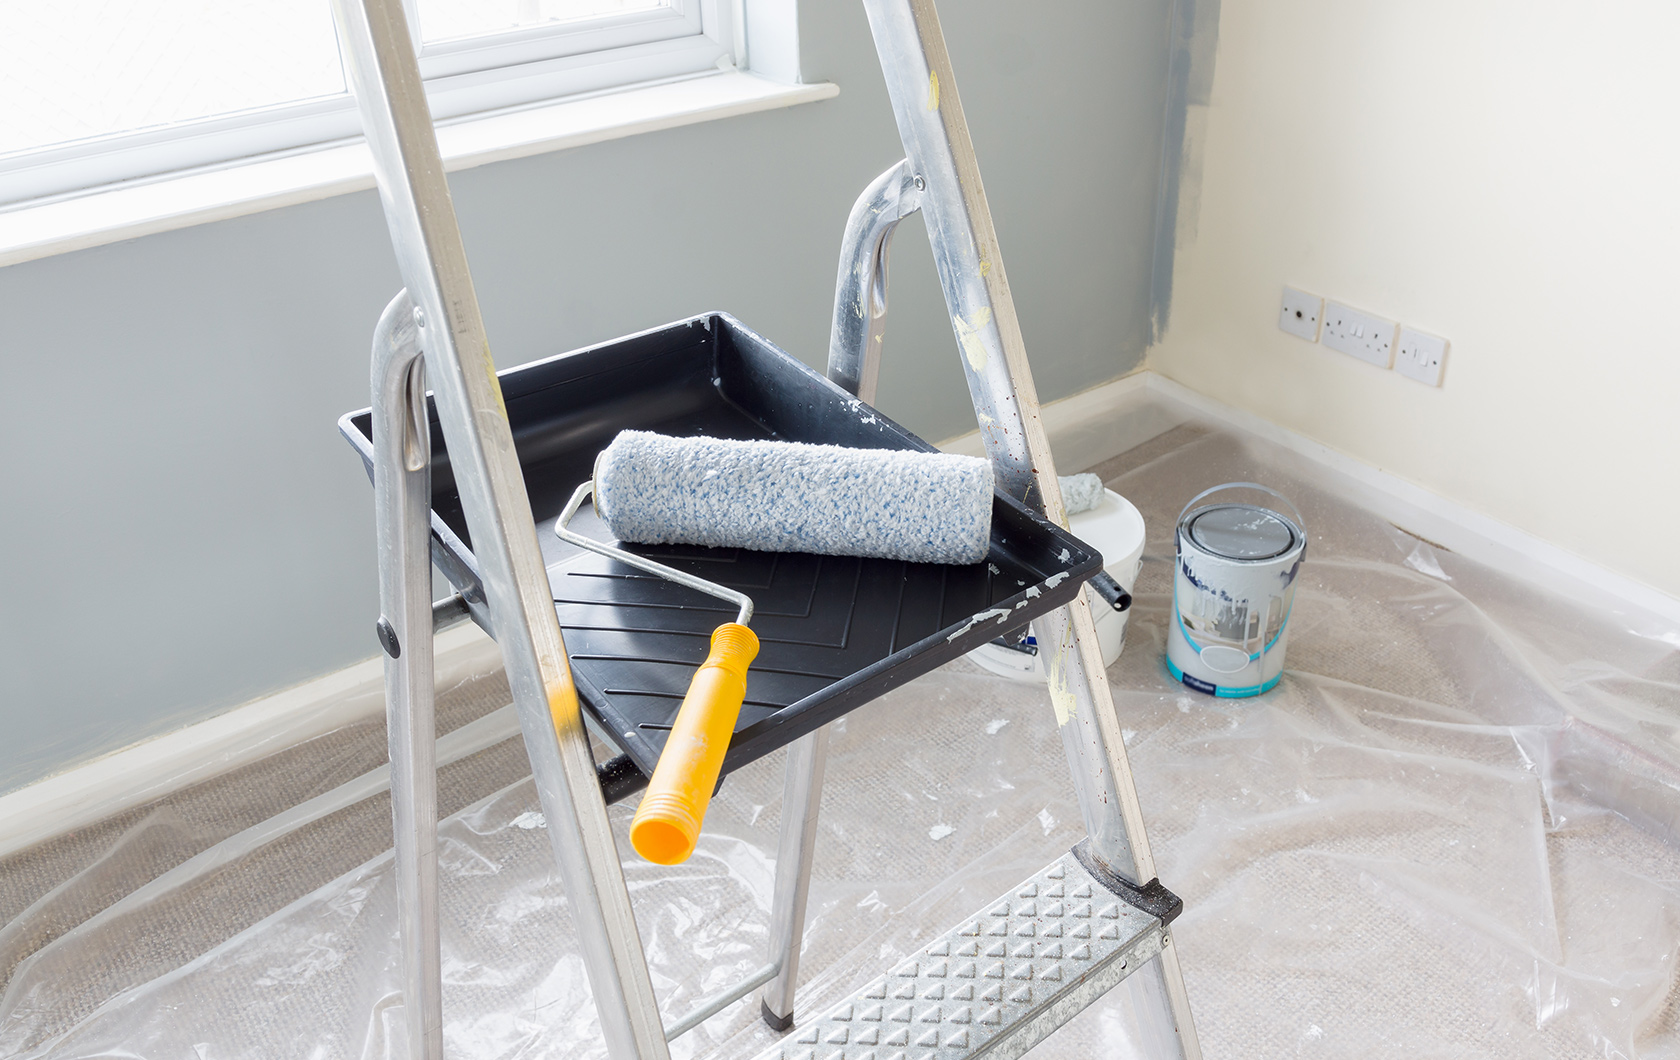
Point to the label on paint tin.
(1199, 685)
(1224, 659)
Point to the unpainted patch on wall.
(1194, 46)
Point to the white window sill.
(37, 231)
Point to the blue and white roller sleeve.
(1080, 493)
(793, 497)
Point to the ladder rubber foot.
(775, 1022)
(998, 984)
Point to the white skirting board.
(165, 764)
(1461, 529)
(1107, 420)
(1084, 429)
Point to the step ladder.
(1001, 980)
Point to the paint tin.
(1233, 591)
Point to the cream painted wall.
(1505, 173)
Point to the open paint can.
(1233, 590)
(1113, 527)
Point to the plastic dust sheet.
(1449, 832)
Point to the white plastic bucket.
(1233, 592)
(1115, 529)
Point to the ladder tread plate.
(995, 985)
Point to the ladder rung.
(996, 985)
(712, 1005)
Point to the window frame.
(465, 78)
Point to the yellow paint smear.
(968, 334)
(1061, 696)
(1056, 670)
(985, 268)
(495, 384)
(563, 703)
(933, 90)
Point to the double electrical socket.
(1359, 334)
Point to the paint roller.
(772, 497)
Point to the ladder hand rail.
(384, 73)
(402, 514)
(993, 354)
(920, 82)
(922, 86)
(860, 291)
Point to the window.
(104, 91)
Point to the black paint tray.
(835, 632)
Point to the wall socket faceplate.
(1301, 313)
(1420, 355)
(1369, 338)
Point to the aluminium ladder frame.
(433, 330)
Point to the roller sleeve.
(792, 497)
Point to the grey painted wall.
(183, 529)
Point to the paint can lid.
(1241, 531)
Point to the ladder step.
(996, 985)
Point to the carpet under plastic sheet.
(1449, 832)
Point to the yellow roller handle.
(667, 823)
